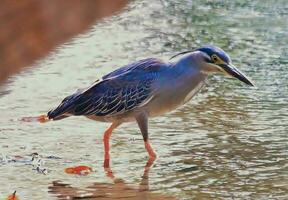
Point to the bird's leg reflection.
(144, 184)
(118, 190)
(145, 176)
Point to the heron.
(144, 89)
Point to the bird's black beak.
(234, 72)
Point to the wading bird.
(145, 89)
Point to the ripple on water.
(229, 142)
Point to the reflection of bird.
(118, 190)
(146, 88)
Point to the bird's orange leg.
(142, 121)
(106, 138)
(150, 150)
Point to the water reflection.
(229, 142)
(116, 190)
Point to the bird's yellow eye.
(214, 58)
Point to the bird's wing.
(120, 91)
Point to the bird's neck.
(188, 66)
(187, 75)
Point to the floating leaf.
(41, 119)
(12, 196)
(80, 170)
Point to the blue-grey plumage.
(121, 91)
(146, 88)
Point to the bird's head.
(212, 60)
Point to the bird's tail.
(60, 112)
(65, 109)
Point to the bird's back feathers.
(120, 91)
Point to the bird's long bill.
(233, 71)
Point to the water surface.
(229, 142)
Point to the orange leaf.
(41, 119)
(80, 170)
(13, 196)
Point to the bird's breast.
(193, 91)
(176, 93)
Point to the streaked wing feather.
(120, 91)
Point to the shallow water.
(229, 142)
